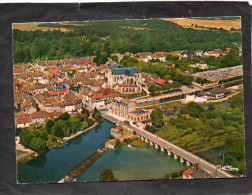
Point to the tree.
(157, 118)
(48, 125)
(64, 116)
(97, 115)
(152, 89)
(59, 128)
(107, 175)
(85, 111)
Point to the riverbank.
(65, 139)
(31, 154)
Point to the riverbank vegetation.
(37, 140)
(135, 142)
(201, 128)
(42, 138)
(65, 126)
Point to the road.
(172, 148)
(185, 90)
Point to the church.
(125, 80)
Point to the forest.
(107, 37)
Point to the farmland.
(188, 23)
(34, 26)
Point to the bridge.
(171, 149)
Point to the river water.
(127, 163)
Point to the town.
(50, 89)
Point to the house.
(116, 132)
(97, 100)
(217, 92)
(186, 174)
(24, 121)
(39, 117)
(160, 82)
(199, 174)
(200, 65)
(112, 96)
(198, 53)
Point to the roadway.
(172, 148)
(185, 90)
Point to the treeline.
(37, 140)
(106, 37)
(65, 126)
(202, 128)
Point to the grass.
(133, 95)
(137, 143)
(168, 104)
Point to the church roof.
(130, 71)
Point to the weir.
(83, 166)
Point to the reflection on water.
(132, 164)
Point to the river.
(127, 163)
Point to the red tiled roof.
(75, 69)
(113, 95)
(22, 120)
(15, 80)
(54, 71)
(54, 114)
(160, 82)
(115, 130)
(160, 52)
(40, 114)
(95, 97)
(59, 92)
(20, 114)
(105, 91)
(188, 172)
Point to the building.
(116, 132)
(22, 122)
(217, 92)
(97, 100)
(186, 174)
(110, 144)
(125, 80)
(199, 174)
(123, 107)
(139, 115)
(200, 65)
(195, 174)
(160, 82)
